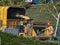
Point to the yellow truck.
(8, 16)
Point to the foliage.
(55, 38)
(13, 3)
(43, 1)
(58, 6)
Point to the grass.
(9, 39)
(38, 16)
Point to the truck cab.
(8, 17)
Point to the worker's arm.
(51, 29)
(46, 29)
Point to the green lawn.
(38, 16)
(9, 39)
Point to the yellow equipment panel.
(3, 16)
(8, 13)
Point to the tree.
(56, 17)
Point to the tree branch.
(54, 6)
(52, 14)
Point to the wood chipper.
(11, 17)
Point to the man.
(29, 26)
(49, 29)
